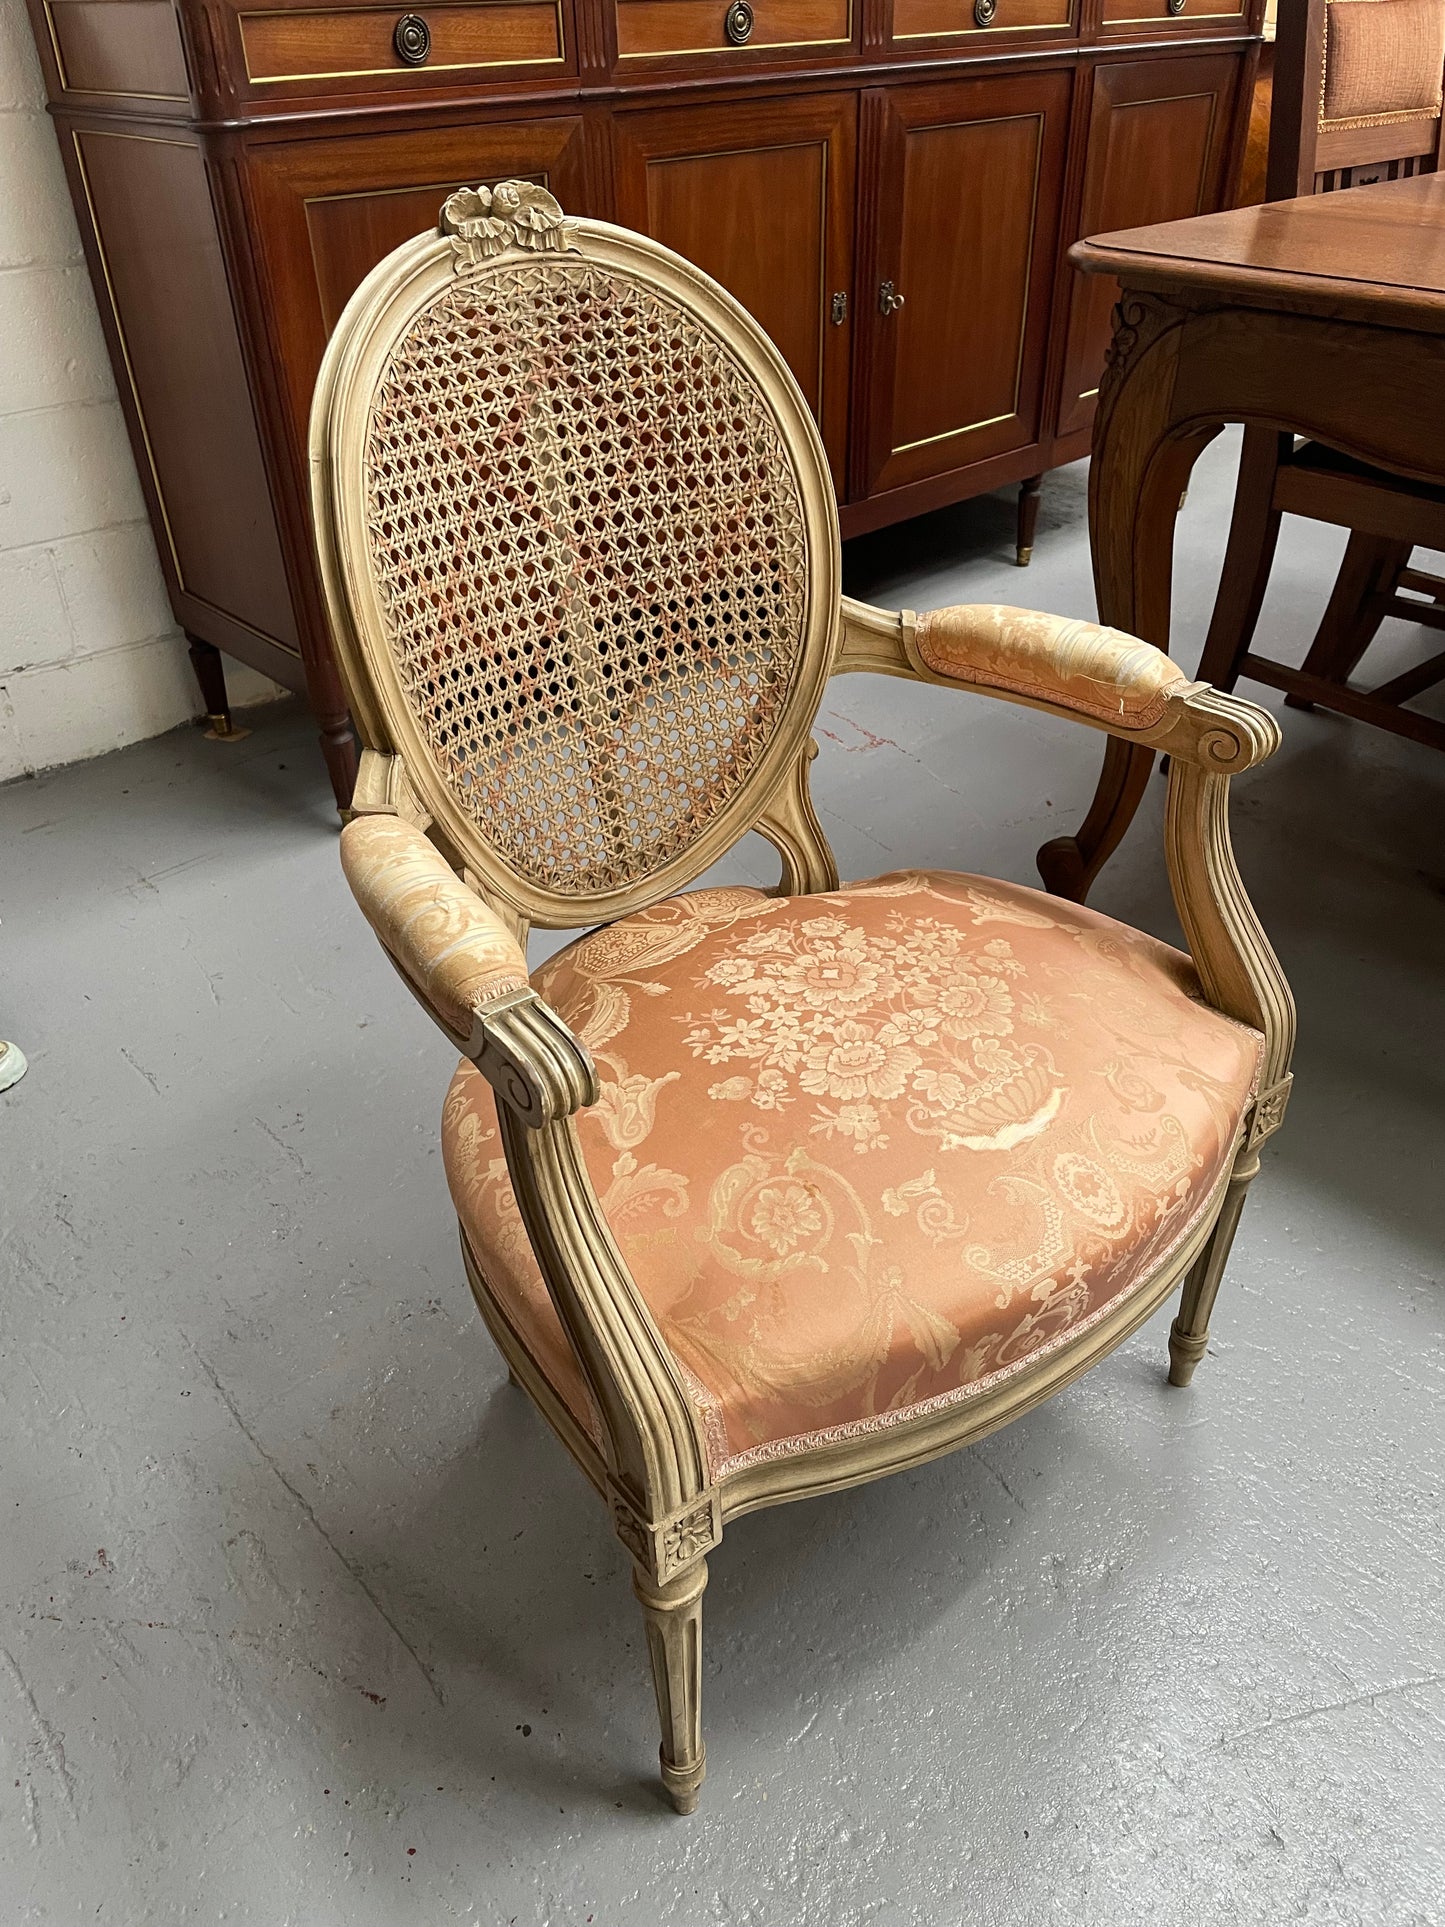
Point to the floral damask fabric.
(453, 948)
(869, 1150)
(1102, 673)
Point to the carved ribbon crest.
(483, 222)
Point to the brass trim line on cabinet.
(947, 435)
(1185, 20)
(857, 76)
(989, 421)
(422, 187)
(752, 47)
(975, 35)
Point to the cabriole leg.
(673, 1613)
(1189, 1334)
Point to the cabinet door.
(326, 211)
(760, 195)
(1158, 149)
(955, 311)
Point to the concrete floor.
(305, 1619)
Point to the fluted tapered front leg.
(1189, 1334)
(673, 1613)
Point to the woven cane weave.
(591, 556)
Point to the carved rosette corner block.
(663, 1547)
(483, 222)
(1268, 1113)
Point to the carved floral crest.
(483, 222)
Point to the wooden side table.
(1323, 316)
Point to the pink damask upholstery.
(1096, 672)
(873, 1149)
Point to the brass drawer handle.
(738, 23)
(889, 300)
(412, 40)
(984, 11)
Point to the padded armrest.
(1101, 677)
(1103, 674)
(450, 946)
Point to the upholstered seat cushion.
(869, 1150)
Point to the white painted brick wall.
(90, 657)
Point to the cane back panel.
(582, 550)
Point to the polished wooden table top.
(1374, 253)
(1322, 317)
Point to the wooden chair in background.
(762, 1193)
(1357, 99)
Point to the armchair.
(761, 1194)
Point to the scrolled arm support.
(1075, 670)
(466, 968)
(470, 973)
(1237, 967)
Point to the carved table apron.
(1324, 317)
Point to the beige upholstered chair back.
(1383, 61)
(1357, 93)
(580, 552)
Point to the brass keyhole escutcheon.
(738, 22)
(889, 299)
(1176, 7)
(412, 40)
(983, 12)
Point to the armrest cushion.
(446, 941)
(1099, 673)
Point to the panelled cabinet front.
(955, 317)
(1159, 148)
(888, 185)
(760, 195)
(327, 211)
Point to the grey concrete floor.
(305, 1619)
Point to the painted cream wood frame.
(651, 1465)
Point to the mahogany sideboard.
(890, 186)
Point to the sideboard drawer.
(360, 45)
(1138, 13)
(981, 20)
(659, 27)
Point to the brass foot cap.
(222, 730)
(1024, 555)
